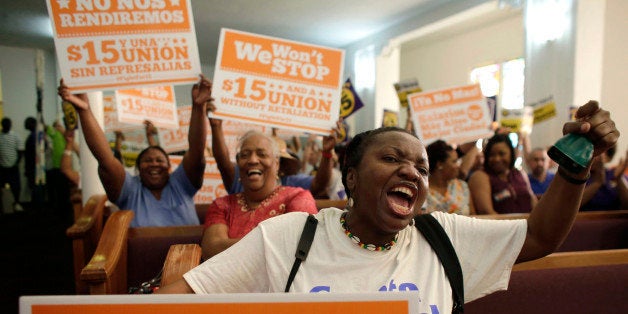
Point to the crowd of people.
(49, 188)
(465, 179)
(387, 175)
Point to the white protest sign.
(233, 131)
(156, 104)
(111, 120)
(174, 140)
(456, 115)
(212, 188)
(276, 82)
(402, 302)
(123, 44)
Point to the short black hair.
(355, 149)
(145, 150)
(437, 151)
(498, 138)
(6, 124)
(30, 124)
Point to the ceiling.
(333, 23)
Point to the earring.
(350, 203)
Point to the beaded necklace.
(245, 207)
(356, 240)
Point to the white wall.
(17, 68)
(365, 118)
(18, 86)
(615, 69)
(448, 61)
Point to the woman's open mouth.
(253, 173)
(401, 198)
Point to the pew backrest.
(148, 248)
(85, 234)
(320, 204)
(588, 289)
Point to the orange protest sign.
(240, 308)
(111, 121)
(271, 81)
(156, 104)
(232, 131)
(456, 115)
(243, 303)
(212, 187)
(174, 140)
(124, 43)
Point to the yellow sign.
(544, 111)
(390, 118)
(70, 118)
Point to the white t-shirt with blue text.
(262, 260)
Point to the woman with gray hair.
(231, 217)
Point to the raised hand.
(596, 124)
(79, 101)
(202, 92)
(330, 141)
(211, 107)
(150, 128)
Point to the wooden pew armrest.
(110, 255)
(180, 259)
(576, 259)
(320, 204)
(90, 217)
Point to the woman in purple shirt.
(501, 188)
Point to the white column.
(589, 58)
(90, 182)
(550, 62)
(387, 69)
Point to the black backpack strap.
(440, 243)
(307, 236)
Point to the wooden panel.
(180, 259)
(85, 233)
(576, 259)
(320, 204)
(109, 260)
(588, 215)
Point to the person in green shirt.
(57, 185)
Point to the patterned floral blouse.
(455, 201)
(232, 210)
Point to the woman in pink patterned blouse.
(231, 217)
(447, 193)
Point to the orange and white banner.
(271, 81)
(242, 303)
(456, 115)
(156, 104)
(233, 131)
(112, 44)
(111, 121)
(174, 140)
(212, 188)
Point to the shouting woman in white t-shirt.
(373, 246)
